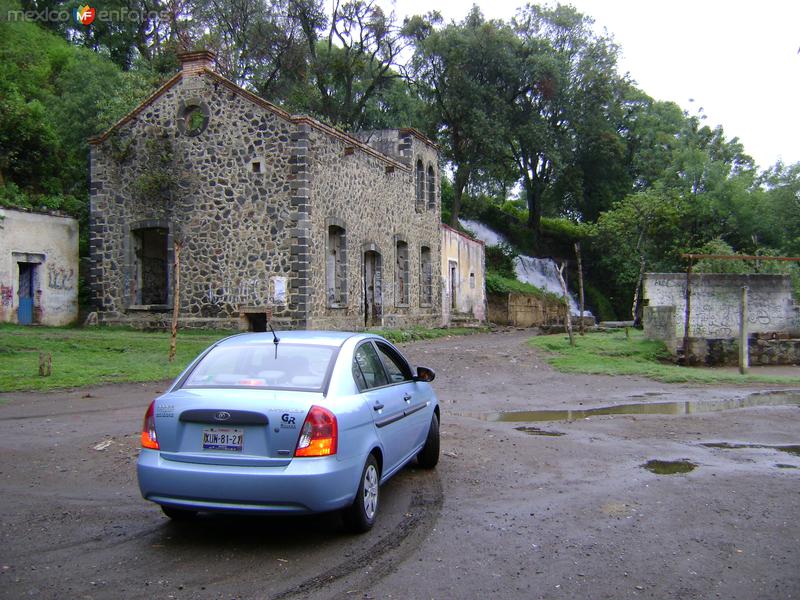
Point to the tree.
(353, 59)
(462, 71)
(566, 83)
(259, 44)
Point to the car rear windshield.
(289, 366)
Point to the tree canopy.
(532, 115)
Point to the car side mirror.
(425, 374)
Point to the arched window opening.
(335, 266)
(402, 273)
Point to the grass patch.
(421, 333)
(92, 356)
(98, 355)
(499, 284)
(615, 354)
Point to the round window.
(193, 119)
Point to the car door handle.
(407, 397)
(377, 406)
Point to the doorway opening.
(453, 270)
(27, 291)
(151, 266)
(373, 308)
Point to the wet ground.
(541, 505)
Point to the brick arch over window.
(336, 263)
(420, 184)
(431, 188)
(402, 269)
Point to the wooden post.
(580, 283)
(744, 349)
(45, 364)
(176, 302)
(568, 315)
(687, 314)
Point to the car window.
(367, 368)
(293, 366)
(396, 367)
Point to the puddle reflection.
(647, 408)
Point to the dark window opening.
(372, 288)
(151, 271)
(402, 273)
(453, 268)
(431, 188)
(335, 266)
(420, 184)
(256, 166)
(426, 276)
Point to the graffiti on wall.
(6, 295)
(253, 291)
(59, 278)
(715, 304)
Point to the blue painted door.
(26, 287)
(25, 311)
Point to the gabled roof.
(269, 106)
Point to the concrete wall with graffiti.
(38, 264)
(715, 299)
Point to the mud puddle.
(536, 431)
(793, 449)
(669, 467)
(782, 398)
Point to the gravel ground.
(506, 514)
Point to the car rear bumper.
(305, 485)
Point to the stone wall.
(763, 350)
(715, 301)
(249, 193)
(233, 223)
(49, 244)
(523, 310)
(373, 202)
(466, 296)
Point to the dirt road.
(507, 514)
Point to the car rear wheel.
(179, 514)
(360, 516)
(428, 457)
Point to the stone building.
(38, 268)
(274, 215)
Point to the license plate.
(223, 439)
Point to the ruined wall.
(229, 205)
(715, 304)
(373, 200)
(249, 191)
(468, 297)
(524, 310)
(50, 243)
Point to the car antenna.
(275, 338)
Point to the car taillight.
(318, 434)
(149, 439)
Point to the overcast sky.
(736, 60)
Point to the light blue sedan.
(295, 422)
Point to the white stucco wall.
(470, 290)
(51, 243)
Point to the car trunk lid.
(247, 427)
